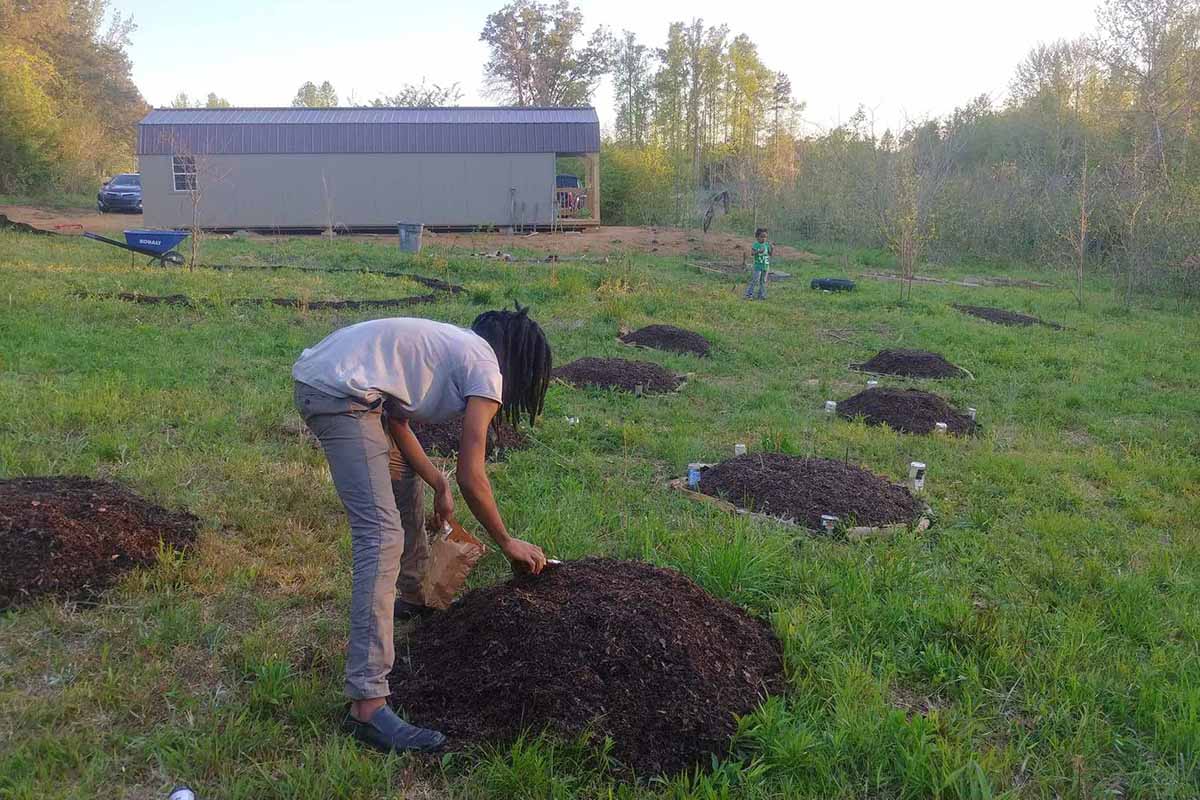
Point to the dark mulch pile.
(1003, 317)
(617, 373)
(911, 364)
(802, 489)
(443, 437)
(907, 410)
(621, 648)
(668, 337)
(72, 537)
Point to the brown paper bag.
(453, 553)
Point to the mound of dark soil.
(911, 364)
(621, 648)
(802, 489)
(617, 373)
(668, 337)
(1003, 317)
(907, 410)
(442, 438)
(73, 537)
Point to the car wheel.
(100, 207)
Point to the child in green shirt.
(761, 249)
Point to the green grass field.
(1040, 641)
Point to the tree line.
(68, 105)
(1091, 163)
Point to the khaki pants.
(385, 500)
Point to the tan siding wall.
(354, 190)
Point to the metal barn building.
(365, 168)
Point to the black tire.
(172, 257)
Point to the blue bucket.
(410, 236)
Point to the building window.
(183, 169)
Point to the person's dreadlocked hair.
(525, 360)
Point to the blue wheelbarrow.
(159, 245)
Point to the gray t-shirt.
(425, 370)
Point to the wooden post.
(593, 160)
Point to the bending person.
(425, 371)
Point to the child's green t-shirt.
(762, 255)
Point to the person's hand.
(443, 504)
(523, 556)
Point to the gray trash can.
(410, 236)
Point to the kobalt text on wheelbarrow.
(159, 245)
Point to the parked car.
(121, 193)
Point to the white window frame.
(180, 170)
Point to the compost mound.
(618, 648)
(802, 489)
(617, 373)
(442, 438)
(911, 364)
(72, 537)
(668, 337)
(1002, 317)
(907, 410)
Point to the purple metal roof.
(206, 131)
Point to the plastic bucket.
(410, 236)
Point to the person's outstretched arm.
(410, 447)
(477, 489)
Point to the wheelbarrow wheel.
(173, 257)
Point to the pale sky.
(903, 60)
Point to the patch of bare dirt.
(607, 240)
(71, 220)
(601, 241)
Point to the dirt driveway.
(609, 240)
(603, 241)
(71, 220)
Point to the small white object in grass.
(971, 413)
(829, 522)
(182, 793)
(871, 384)
(693, 477)
(739, 449)
(572, 420)
(552, 562)
(830, 406)
(939, 427)
(916, 475)
(637, 390)
(691, 376)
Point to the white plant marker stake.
(916, 476)
(871, 384)
(828, 522)
(971, 413)
(830, 406)
(939, 428)
(739, 449)
(637, 390)
(694, 475)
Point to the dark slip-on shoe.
(406, 610)
(387, 732)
